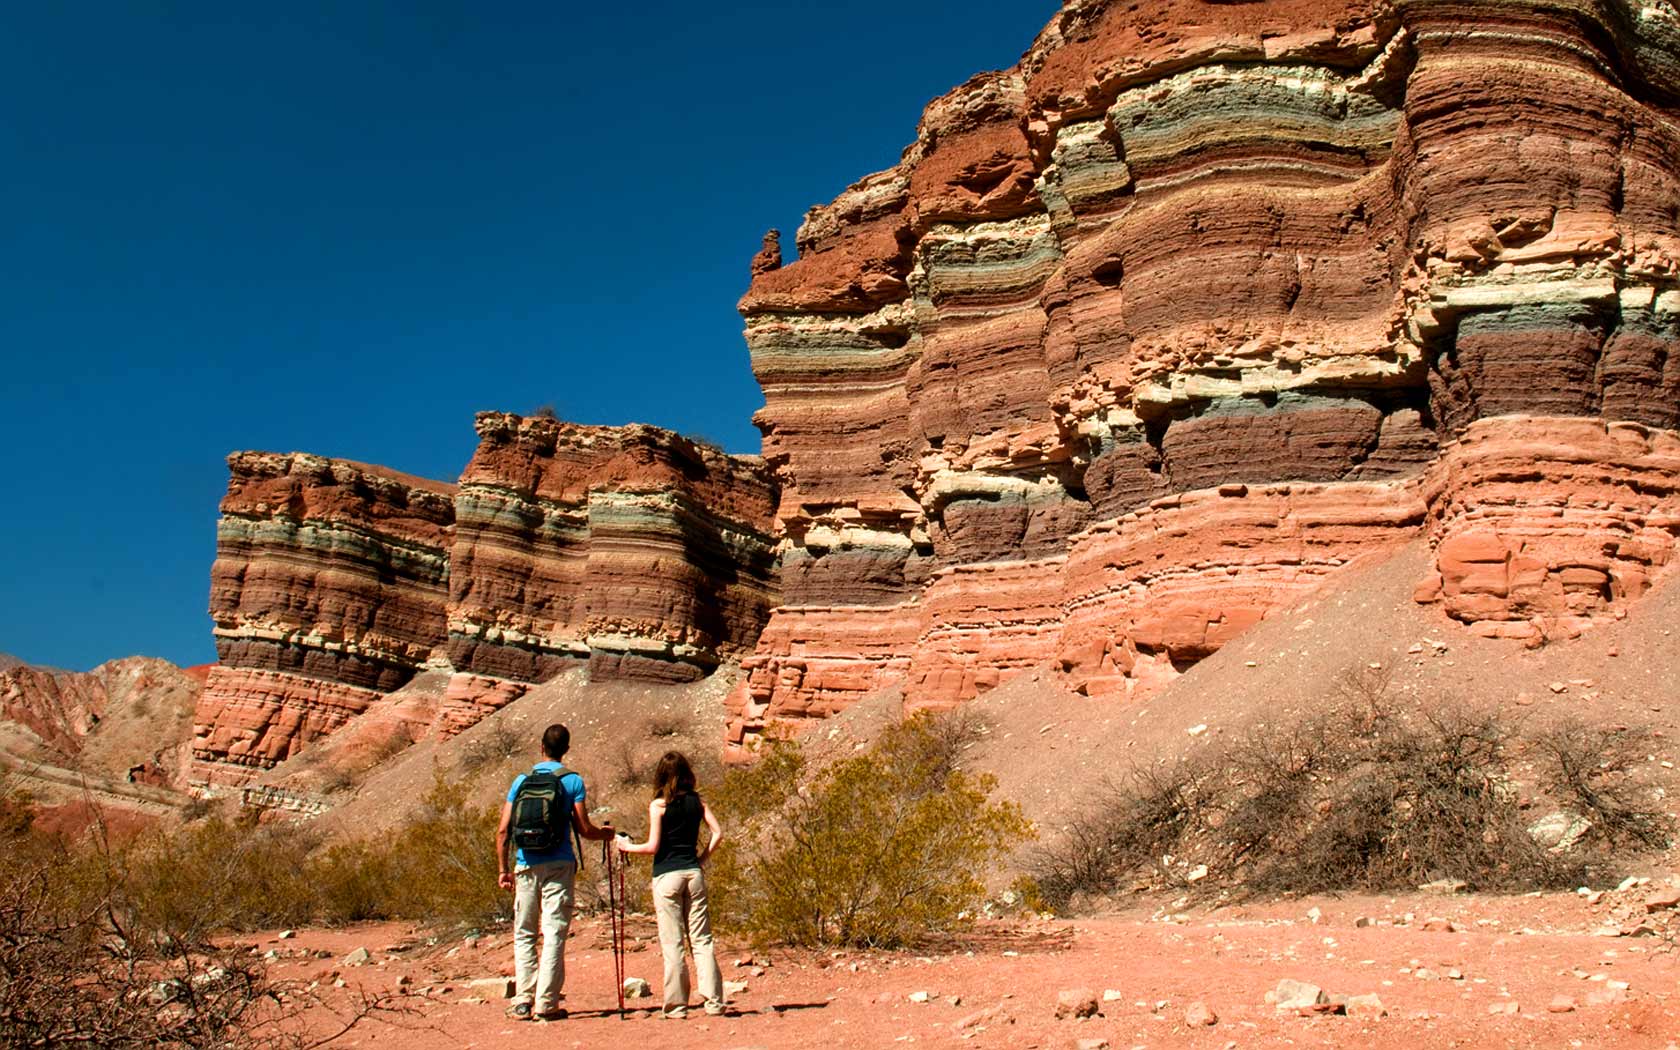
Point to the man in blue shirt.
(542, 883)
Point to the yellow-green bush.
(876, 850)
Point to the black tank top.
(679, 835)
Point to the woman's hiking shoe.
(519, 1011)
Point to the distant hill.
(8, 661)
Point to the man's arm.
(504, 858)
(587, 827)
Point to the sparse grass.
(1363, 795)
(496, 742)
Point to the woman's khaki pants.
(679, 903)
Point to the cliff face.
(632, 548)
(1201, 301)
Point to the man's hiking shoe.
(519, 1011)
(556, 1014)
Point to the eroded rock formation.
(1200, 302)
(633, 549)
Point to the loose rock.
(1076, 1002)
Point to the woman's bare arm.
(656, 811)
(715, 828)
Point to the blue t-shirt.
(574, 791)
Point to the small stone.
(1291, 994)
(359, 957)
(1437, 924)
(1362, 922)
(734, 987)
(1557, 687)
(1454, 975)
(954, 1000)
(1424, 973)
(636, 988)
(1076, 1002)
(1563, 1004)
(1200, 1015)
(1196, 874)
(492, 987)
(1314, 915)
(1507, 1007)
(1092, 1044)
(1668, 897)
(1365, 1006)
(1112, 995)
(979, 1018)
(286, 935)
(920, 997)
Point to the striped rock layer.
(1198, 303)
(633, 550)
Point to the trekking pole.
(613, 905)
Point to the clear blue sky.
(345, 228)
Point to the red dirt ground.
(1523, 949)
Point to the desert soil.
(999, 988)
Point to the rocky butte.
(1142, 339)
(630, 549)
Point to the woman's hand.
(622, 843)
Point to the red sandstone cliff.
(632, 549)
(1200, 302)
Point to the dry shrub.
(877, 850)
(1360, 796)
(86, 961)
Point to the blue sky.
(345, 228)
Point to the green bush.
(876, 850)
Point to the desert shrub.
(443, 858)
(877, 850)
(1593, 771)
(215, 874)
(1360, 796)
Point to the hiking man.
(542, 810)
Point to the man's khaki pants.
(679, 903)
(542, 903)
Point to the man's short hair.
(556, 739)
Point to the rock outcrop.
(125, 719)
(642, 553)
(1200, 302)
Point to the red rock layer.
(250, 720)
(1015, 384)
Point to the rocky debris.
(1112, 995)
(285, 935)
(637, 988)
(1199, 1014)
(920, 996)
(1076, 1002)
(358, 957)
(1506, 1007)
(1562, 1004)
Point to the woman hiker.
(679, 883)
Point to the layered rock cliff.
(1200, 302)
(633, 549)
